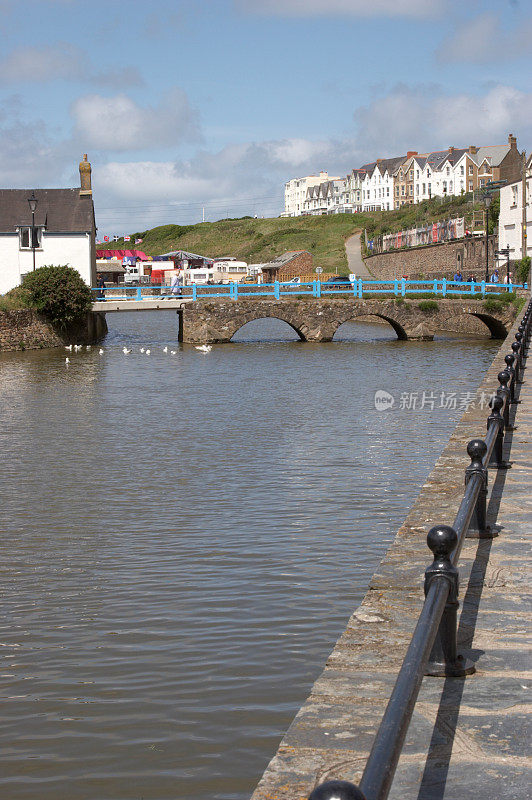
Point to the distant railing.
(432, 649)
(357, 288)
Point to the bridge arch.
(255, 318)
(397, 327)
(496, 328)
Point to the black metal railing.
(432, 649)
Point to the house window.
(470, 169)
(26, 242)
(470, 186)
(417, 173)
(411, 191)
(423, 188)
(448, 171)
(462, 170)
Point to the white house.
(511, 216)
(377, 184)
(63, 233)
(295, 192)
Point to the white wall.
(57, 249)
(510, 218)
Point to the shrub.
(14, 300)
(492, 305)
(428, 305)
(58, 293)
(523, 269)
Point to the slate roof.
(283, 259)
(60, 210)
(495, 153)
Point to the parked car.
(339, 280)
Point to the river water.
(185, 537)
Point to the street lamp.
(32, 201)
(487, 203)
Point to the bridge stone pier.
(317, 320)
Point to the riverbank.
(26, 330)
(466, 737)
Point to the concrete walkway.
(354, 258)
(468, 738)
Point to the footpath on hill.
(355, 262)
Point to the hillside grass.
(261, 240)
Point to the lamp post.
(487, 203)
(32, 201)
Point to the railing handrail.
(435, 632)
(397, 287)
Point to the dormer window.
(25, 237)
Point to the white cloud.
(41, 64)
(484, 40)
(348, 8)
(118, 123)
(62, 61)
(426, 118)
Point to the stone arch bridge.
(317, 320)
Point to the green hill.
(260, 240)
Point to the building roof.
(59, 210)
(495, 153)
(283, 259)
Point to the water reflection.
(184, 539)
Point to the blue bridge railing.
(358, 288)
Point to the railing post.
(360, 288)
(509, 360)
(444, 287)
(435, 286)
(276, 289)
(504, 377)
(483, 288)
(403, 287)
(516, 347)
(139, 293)
(495, 418)
(194, 291)
(444, 661)
(318, 288)
(395, 287)
(235, 291)
(478, 527)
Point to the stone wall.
(27, 330)
(435, 261)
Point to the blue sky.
(187, 105)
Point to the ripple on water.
(185, 538)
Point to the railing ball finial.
(516, 347)
(336, 790)
(509, 359)
(503, 377)
(442, 540)
(518, 336)
(476, 450)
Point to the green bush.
(14, 300)
(492, 305)
(428, 305)
(58, 293)
(523, 269)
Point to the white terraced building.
(389, 183)
(295, 192)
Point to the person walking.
(175, 286)
(101, 288)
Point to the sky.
(192, 107)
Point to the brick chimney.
(472, 149)
(512, 141)
(451, 149)
(411, 153)
(85, 178)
